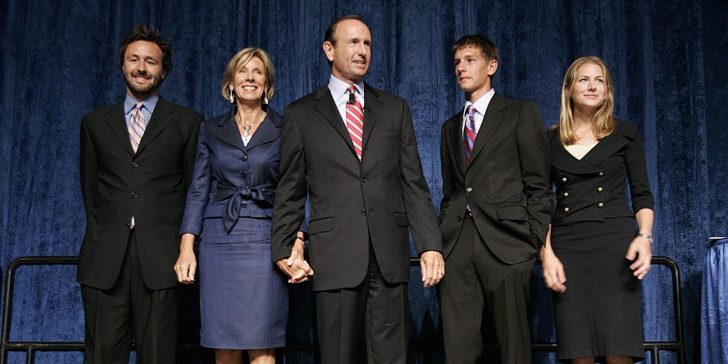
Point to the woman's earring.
(265, 98)
(232, 97)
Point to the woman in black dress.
(599, 247)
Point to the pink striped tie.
(136, 126)
(469, 133)
(355, 121)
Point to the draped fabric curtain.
(60, 60)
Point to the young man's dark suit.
(361, 213)
(149, 185)
(506, 186)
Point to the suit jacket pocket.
(321, 225)
(512, 213)
(401, 219)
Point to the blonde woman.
(243, 297)
(599, 246)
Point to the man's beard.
(142, 91)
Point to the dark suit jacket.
(352, 203)
(231, 179)
(506, 182)
(150, 185)
(593, 188)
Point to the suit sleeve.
(639, 184)
(446, 170)
(290, 200)
(89, 171)
(534, 154)
(190, 151)
(199, 188)
(415, 192)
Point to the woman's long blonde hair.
(603, 121)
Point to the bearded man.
(136, 162)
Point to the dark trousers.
(377, 306)
(480, 293)
(130, 310)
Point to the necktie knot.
(471, 111)
(352, 94)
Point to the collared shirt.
(481, 105)
(149, 105)
(338, 89)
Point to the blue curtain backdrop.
(60, 60)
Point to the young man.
(495, 210)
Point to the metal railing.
(31, 347)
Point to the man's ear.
(492, 67)
(328, 50)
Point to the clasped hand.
(295, 266)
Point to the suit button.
(244, 173)
(134, 164)
(566, 209)
(244, 204)
(469, 189)
(599, 189)
(601, 174)
(244, 157)
(566, 194)
(363, 212)
(363, 180)
(600, 205)
(564, 179)
(460, 218)
(134, 195)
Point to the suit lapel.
(494, 116)
(454, 138)
(327, 108)
(606, 147)
(563, 160)
(371, 112)
(162, 116)
(267, 132)
(117, 123)
(228, 133)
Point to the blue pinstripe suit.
(243, 299)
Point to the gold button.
(599, 189)
(600, 205)
(564, 179)
(566, 209)
(566, 194)
(601, 174)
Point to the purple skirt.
(243, 297)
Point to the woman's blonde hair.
(239, 60)
(603, 121)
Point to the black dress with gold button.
(593, 224)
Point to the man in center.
(351, 149)
(495, 211)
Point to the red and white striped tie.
(355, 121)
